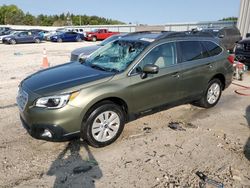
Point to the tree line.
(11, 14)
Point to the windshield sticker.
(147, 39)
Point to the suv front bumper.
(52, 125)
(52, 133)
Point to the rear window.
(192, 50)
(212, 48)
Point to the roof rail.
(144, 32)
(184, 34)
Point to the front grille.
(247, 46)
(22, 99)
(74, 57)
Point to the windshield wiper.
(112, 70)
(98, 67)
(104, 68)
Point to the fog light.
(46, 133)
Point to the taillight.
(231, 59)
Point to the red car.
(99, 34)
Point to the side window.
(162, 56)
(191, 50)
(212, 48)
(81, 30)
(23, 34)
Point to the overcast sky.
(136, 11)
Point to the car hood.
(4, 36)
(64, 77)
(246, 40)
(85, 50)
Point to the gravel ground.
(148, 154)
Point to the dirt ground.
(148, 154)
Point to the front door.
(156, 89)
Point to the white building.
(244, 18)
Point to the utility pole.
(80, 20)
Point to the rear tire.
(103, 124)
(37, 40)
(78, 39)
(212, 94)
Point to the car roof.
(151, 36)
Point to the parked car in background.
(80, 54)
(242, 51)
(49, 34)
(4, 30)
(229, 36)
(69, 36)
(79, 30)
(127, 78)
(8, 33)
(39, 32)
(22, 37)
(99, 34)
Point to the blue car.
(69, 36)
(22, 37)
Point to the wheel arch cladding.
(221, 77)
(118, 101)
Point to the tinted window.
(191, 50)
(212, 48)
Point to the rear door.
(73, 36)
(156, 89)
(197, 68)
(67, 36)
(24, 37)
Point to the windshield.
(13, 32)
(110, 39)
(59, 32)
(116, 56)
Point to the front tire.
(12, 41)
(59, 40)
(212, 94)
(103, 124)
(94, 39)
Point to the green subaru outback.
(127, 78)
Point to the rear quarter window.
(192, 50)
(212, 48)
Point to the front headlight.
(55, 102)
(89, 35)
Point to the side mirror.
(149, 69)
(221, 36)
